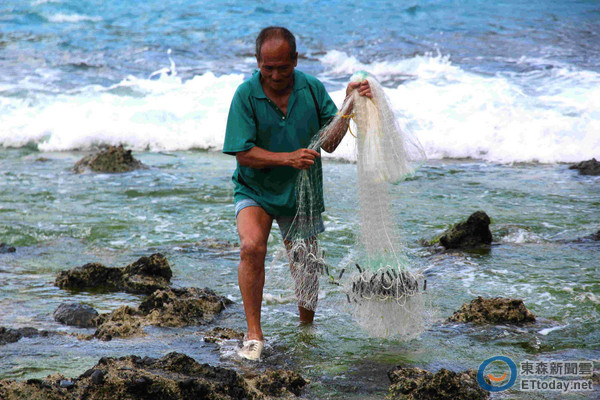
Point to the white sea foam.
(162, 114)
(454, 113)
(546, 331)
(60, 18)
(457, 114)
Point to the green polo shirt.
(254, 120)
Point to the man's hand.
(302, 158)
(363, 88)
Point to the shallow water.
(58, 219)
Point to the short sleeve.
(328, 107)
(240, 134)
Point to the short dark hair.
(279, 32)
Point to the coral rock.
(174, 376)
(112, 159)
(498, 310)
(418, 384)
(143, 276)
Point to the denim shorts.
(284, 222)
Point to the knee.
(253, 252)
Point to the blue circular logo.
(513, 375)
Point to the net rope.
(385, 294)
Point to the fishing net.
(385, 294)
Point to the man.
(273, 118)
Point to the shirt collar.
(259, 93)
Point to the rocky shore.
(174, 376)
(418, 384)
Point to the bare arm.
(258, 158)
(337, 132)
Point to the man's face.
(276, 66)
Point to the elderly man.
(272, 120)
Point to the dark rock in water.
(589, 167)
(9, 335)
(169, 307)
(143, 276)
(4, 248)
(181, 307)
(112, 159)
(594, 237)
(472, 233)
(174, 376)
(76, 314)
(218, 334)
(279, 383)
(418, 384)
(498, 310)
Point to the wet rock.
(497, 310)
(174, 376)
(76, 314)
(279, 383)
(112, 159)
(97, 377)
(594, 237)
(66, 384)
(218, 334)
(123, 322)
(4, 248)
(589, 167)
(170, 308)
(472, 233)
(143, 276)
(181, 307)
(418, 384)
(9, 335)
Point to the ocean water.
(501, 95)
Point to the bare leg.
(254, 226)
(306, 316)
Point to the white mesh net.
(386, 296)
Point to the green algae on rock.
(498, 310)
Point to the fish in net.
(386, 295)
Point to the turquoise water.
(501, 94)
(58, 219)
